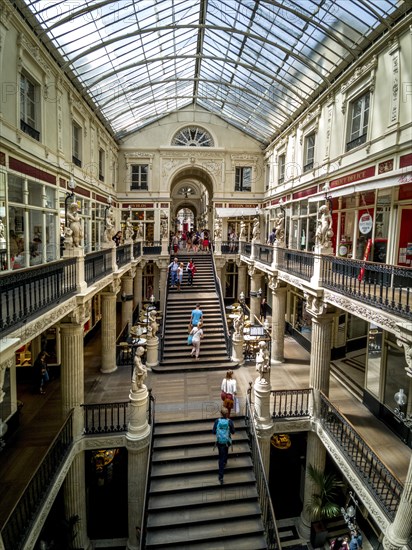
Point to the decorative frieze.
(359, 80)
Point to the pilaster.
(127, 304)
(242, 278)
(255, 285)
(137, 287)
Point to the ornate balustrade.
(264, 253)
(97, 265)
(290, 403)
(123, 255)
(152, 248)
(296, 262)
(105, 418)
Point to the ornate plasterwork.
(385, 321)
(291, 426)
(251, 270)
(35, 53)
(80, 314)
(103, 442)
(395, 58)
(358, 79)
(135, 445)
(47, 320)
(357, 484)
(295, 281)
(329, 104)
(315, 305)
(408, 355)
(130, 157)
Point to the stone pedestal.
(152, 352)
(137, 443)
(237, 351)
(77, 253)
(165, 247)
(218, 247)
(278, 324)
(262, 403)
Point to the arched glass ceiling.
(254, 63)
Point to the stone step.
(184, 468)
(164, 538)
(234, 542)
(202, 513)
(194, 452)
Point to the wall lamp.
(69, 195)
(349, 513)
(401, 399)
(106, 209)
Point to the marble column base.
(237, 351)
(152, 359)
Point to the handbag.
(237, 405)
(190, 339)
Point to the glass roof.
(254, 63)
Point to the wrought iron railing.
(296, 262)
(150, 248)
(29, 291)
(230, 247)
(356, 142)
(245, 248)
(219, 291)
(21, 519)
(123, 255)
(97, 265)
(152, 422)
(268, 514)
(387, 287)
(105, 418)
(381, 483)
(29, 130)
(264, 254)
(290, 403)
(137, 249)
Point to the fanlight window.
(193, 136)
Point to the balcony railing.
(262, 486)
(137, 249)
(387, 287)
(97, 265)
(296, 262)
(105, 418)
(245, 248)
(29, 291)
(290, 403)
(381, 483)
(152, 247)
(20, 521)
(123, 255)
(230, 247)
(264, 254)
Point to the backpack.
(223, 432)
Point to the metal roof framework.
(254, 63)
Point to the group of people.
(176, 270)
(223, 427)
(192, 241)
(354, 542)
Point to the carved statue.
(109, 231)
(262, 362)
(163, 228)
(324, 231)
(218, 228)
(139, 370)
(280, 228)
(238, 325)
(129, 230)
(139, 232)
(75, 224)
(152, 325)
(256, 228)
(242, 233)
(68, 238)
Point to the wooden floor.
(190, 395)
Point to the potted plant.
(322, 505)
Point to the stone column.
(242, 274)
(109, 328)
(137, 443)
(278, 320)
(137, 288)
(255, 284)
(237, 349)
(320, 350)
(400, 531)
(72, 367)
(315, 456)
(162, 284)
(263, 420)
(75, 501)
(152, 352)
(127, 305)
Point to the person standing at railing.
(117, 238)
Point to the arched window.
(193, 136)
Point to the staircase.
(213, 352)
(187, 507)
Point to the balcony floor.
(178, 396)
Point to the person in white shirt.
(197, 336)
(228, 392)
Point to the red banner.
(365, 259)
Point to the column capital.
(275, 283)
(162, 264)
(318, 308)
(112, 288)
(78, 316)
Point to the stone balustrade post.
(152, 352)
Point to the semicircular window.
(193, 136)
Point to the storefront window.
(35, 197)
(374, 351)
(395, 377)
(16, 237)
(231, 280)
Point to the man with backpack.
(223, 428)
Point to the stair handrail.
(219, 291)
(262, 485)
(152, 422)
(162, 335)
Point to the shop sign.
(365, 224)
(281, 441)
